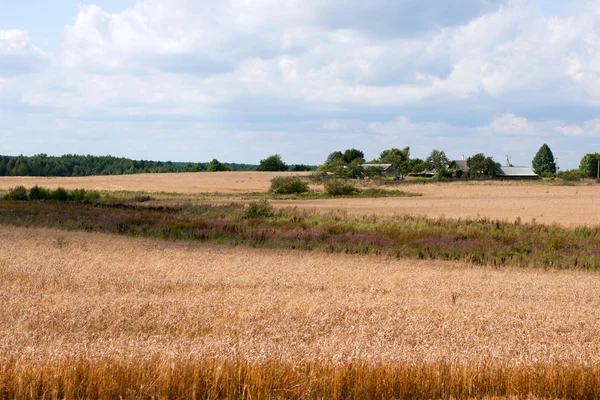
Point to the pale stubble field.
(540, 201)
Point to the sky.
(239, 80)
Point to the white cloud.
(18, 55)
(588, 128)
(509, 124)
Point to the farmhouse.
(516, 173)
(386, 169)
(423, 174)
(461, 168)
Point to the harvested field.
(80, 298)
(565, 205)
(187, 183)
(545, 202)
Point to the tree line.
(347, 164)
(79, 165)
(351, 164)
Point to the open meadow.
(330, 298)
(544, 202)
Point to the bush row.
(295, 185)
(38, 193)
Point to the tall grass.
(480, 241)
(159, 377)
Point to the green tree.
(217, 166)
(272, 163)
(300, 167)
(413, 165)
(398, 158)
(543, 162)
(437, 160)
(589, 165)
(20, 168)
(481, 166)
(353, 154)
(334, 157)
(393, 154)
(353, 170)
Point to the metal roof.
(516, 171)
(377, 165)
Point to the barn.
(460, 167)
(386, 169)
(516, 173)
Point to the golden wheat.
(76, 307)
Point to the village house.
(460, 167)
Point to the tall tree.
(398, 158)
(334, 157)
(589, 165)
(272, 163)
(543, 162)
(353, 154)
(481, 166)
(437, 160)
(217, 166)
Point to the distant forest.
(76, 165)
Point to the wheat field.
(93, 315)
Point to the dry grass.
(187, 183)
(565, 205)
(98, 316)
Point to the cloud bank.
(239, 80)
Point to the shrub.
(92, 195)
(39, 193)
(318, 176)
(258, 209)
(77, 194)
(18, 193)
(339, 188)
(571, 175)
(60, 194)
(288, 185)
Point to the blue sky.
(238, 80)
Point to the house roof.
(524, 172)
(377, 165)
(460, 164)
(382, 166)
(516, 171)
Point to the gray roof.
(382, 166)
(460, 164)
(516, 171)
